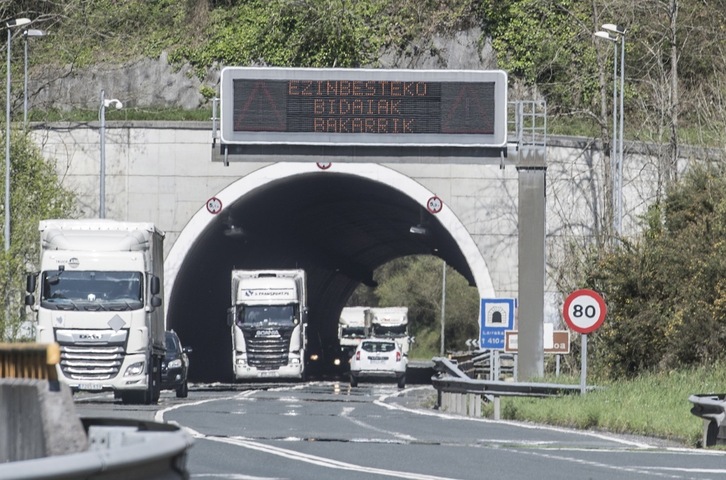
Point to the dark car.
(175, 366)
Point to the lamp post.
(26, 34)
(613, 33)
(18, 22)
(102, 176)
(619, 32)
(443, 307)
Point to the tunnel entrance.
(339, 224)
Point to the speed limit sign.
(584, 311)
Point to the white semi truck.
(353, 326)
(391, 322)
(100, 298)
(268, 320)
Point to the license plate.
(268, 374)
(90, 386)
(378, 359)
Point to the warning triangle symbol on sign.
(468, 111)
(260, 109)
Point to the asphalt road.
(327, 430)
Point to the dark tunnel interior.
(338, 227)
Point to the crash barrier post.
(460, 394)
(712, 409)
(118, 448)
(29, 360)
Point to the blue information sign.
(497, 316)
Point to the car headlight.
(134, 369)
(175, 363)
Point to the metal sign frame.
(381, 84)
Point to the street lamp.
(18, 22)
(102, 177)
(26, 34)
(619, 32)
(613, 33)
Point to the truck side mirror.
(30, 282)
(30, 300)
(155, 286)
(155, 302)
(231, 316)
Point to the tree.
(36, 193)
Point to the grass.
(654, 405)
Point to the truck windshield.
(354, 332)
(268, 314)
(92, 290)
(393, 331)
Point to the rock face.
(153, 83)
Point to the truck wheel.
(402, 381)
(353, 381)
(183, 390)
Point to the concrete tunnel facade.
(338, 223)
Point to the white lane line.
(381, 402)
(347, 410)
(685, 470)
(159, 417)
(313, 459)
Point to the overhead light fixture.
(419, 230)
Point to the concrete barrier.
(38, 420)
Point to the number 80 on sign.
(584, 311)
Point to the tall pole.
(620, 136)
(443, 308)
(102, 175)
(25, 80)
(614, 147)
(7, 151)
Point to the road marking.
(402, 436)
(313, 459)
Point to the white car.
(378, 358)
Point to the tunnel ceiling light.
(419, 230)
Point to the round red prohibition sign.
(434, 204)
(214, 205)
(584, 311)
(324, 165)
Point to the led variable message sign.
(363, 107)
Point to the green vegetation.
(36, 193)
(654, 405)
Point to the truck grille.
(268, 353)
(92, 355)
(91, 363)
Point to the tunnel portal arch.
(337, 223)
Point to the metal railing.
(119, 448)
(461, 394)
(712, 409)
(35, 361)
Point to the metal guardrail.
(458, 392)
(712, 409)
(29, 360)
(119, 448)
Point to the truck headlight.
(175, 363)
(134, 369)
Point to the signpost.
(584, 312)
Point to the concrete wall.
(164, 173)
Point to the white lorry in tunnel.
(100, 298)
(353, 326)
(391, 322)
(268, 320)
